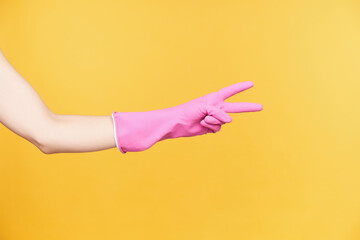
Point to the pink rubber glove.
(138, 131)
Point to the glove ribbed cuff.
(115, 135)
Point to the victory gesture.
(138, 131)
(128, 131)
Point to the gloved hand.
(138, 131)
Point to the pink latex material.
(138, 131)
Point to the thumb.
(218, 114)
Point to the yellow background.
(289, 172)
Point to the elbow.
(43, 142)
(44, 145)
(46, 149)
(43, 138)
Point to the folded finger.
(218, 113)
(214, 128)
(211, 120)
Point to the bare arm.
(23, 111)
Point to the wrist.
(115, 134)
(138, 131)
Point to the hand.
(138, 131)
(207, 113)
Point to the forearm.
(23, 111)
(76, 133)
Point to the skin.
(24, 112)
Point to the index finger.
(231, 90)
